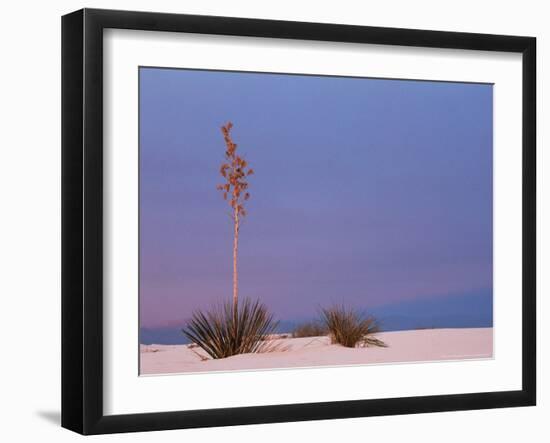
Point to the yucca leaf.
(222, 335)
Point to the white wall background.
(30, 218)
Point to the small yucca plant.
(310, 329)
(350, 328)
(223, 332)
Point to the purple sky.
(367, 192)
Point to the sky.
(367, 192)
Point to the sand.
(403, 346)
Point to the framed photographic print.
(268, 221)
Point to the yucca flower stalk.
(235, 171)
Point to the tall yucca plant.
(235, 171)
(233, 328)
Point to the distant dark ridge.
(174, 336)
(472, 310)
(162, 336)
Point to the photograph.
(293, 220)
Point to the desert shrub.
(310, 329)
(221, 333)
(350, 328)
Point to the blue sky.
(367, 192)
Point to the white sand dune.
(403, 346)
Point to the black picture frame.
(82, 221)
